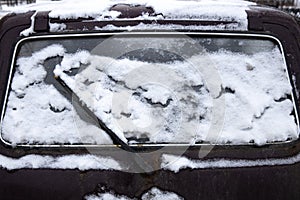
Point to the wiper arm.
(144, 165)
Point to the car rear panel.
(256, 182)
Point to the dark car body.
(256, 182)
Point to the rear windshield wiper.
(116, 140)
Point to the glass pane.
(149, 89)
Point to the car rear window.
(149, 89)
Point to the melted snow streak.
(83, 163)
(230, 10)
(157, 102)
(153, 194)
(176, 163)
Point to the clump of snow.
(56, 27)
(29, 30)
(231, 10)
(258, 87)
(106, 196)
(177, 163)
(38, 113)
(153, 194)
(31, 70)
(157, 194)
(80, 162)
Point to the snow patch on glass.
(38, 113)
(255, 86)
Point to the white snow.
(153, 194)
(176, 163)
(30, 30)
(103, 94)
(80, 162)
(29, 117)
(230, 10)
(31, 70)
(258, 82)
(169, 27)
(56, 27)
(106, 196)
(157, 194)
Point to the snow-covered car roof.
(205, 10)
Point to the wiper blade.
(116, 140)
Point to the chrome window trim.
(265, 36)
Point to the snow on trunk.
(153, 194)
(80, 162)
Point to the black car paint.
(267, 182)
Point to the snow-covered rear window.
(148, 89)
